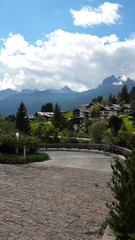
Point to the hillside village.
(84, 112)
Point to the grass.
(18, 159)
(35, 124)
(68, 115)
(128, 124)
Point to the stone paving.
(51, 203)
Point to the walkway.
(52, 202)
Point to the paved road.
(50, 201)
(80, 159)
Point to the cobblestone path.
(51, 203)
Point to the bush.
(9, 143)
(122, 210)
(31, 144)
(97, 130)
(18, 159)
(115, 124)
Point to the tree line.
(123, 97)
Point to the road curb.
(108, 235)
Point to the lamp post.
(17, 138)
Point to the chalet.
(78, 123)
(127, 108)
(46, 115)
(76, 113)
(80, 112)
(132, 119)
(106, 111)
(32, 117)
(87, 106)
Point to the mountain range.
(65, 97)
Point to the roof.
(44, 114)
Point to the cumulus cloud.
(106, 13)
(80, 61)
(15, 44)
(14, 82)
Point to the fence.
(103, 147)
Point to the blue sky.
(52, 43)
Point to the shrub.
(9, 143)
(115, 124)
(31, 144)
(122, 209)
(18, 159)
(97, 130)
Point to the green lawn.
(68, 115)
(128, 124)
(34, 124)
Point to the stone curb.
(108, 234)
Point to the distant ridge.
(65, 97)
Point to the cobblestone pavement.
(51, 203)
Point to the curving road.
(90, 160)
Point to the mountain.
(65, 97)
(7, 93)
(29, 91)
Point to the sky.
(47, 44)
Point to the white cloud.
(107, 13)
(14, 82)
(15, 44)
(80, 61)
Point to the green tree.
(132, 94)
(95, 113)
(48, 107)
(133, 105)
(97, 131)
(124, 96)
(115, 124)
(121, 217)
(56, 119)
(40, 118)
(10, 118)
(87, 124)
(110, 98)
(22, 121)
(97, 99)
(50, 133)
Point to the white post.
(24, 153)
(17, 138)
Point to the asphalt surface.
(90, 160)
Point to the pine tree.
(43, 108)
(124, 96)
(132, 94)
(121, 216)
(56, 120)
(22, 121)
(48, 107)
(110, 98)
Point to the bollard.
(24, 153)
